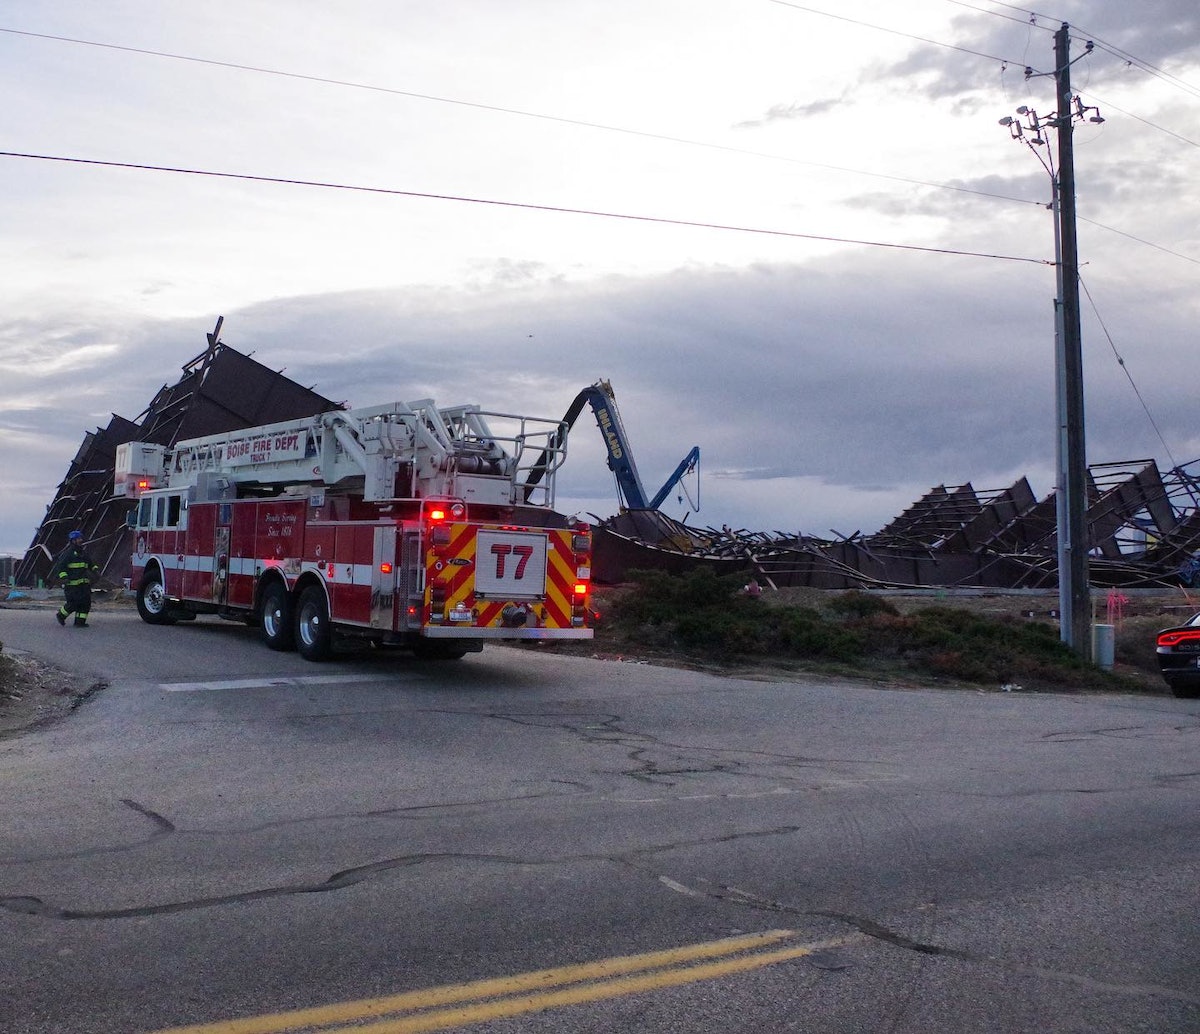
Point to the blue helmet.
(76, 536)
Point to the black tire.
(1185, 690)
(275, 617)
(313, 632)
(439, 650)
(153, 607)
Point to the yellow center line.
(536, 981)
(517, 1006)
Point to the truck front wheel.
(314, 637)
(152, 600)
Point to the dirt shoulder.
(33, 692)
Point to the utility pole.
(1071, 485)
(1074, 589)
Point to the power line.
(1128, 375)
(1139, 240)
(895, 32)
(1145, 66)
(1081, 33)
(911, 181)
(1138, 118)
(518, 204)
(562, 120)
(1030, 21)
(1110, 49)
(1032, 15)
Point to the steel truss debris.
(1143, 527)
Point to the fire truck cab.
(404, 524)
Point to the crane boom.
(603, 401)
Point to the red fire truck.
(405, 524)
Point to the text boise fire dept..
(405, 524)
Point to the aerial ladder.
(398, 450)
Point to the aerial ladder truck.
(404, 525)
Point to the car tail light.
(1189, 635)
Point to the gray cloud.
(931, 379)
(1165, 32)
(845, 386)
(793, 112)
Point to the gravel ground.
(32, 692)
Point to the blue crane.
(620, 455)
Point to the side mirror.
(131, 518)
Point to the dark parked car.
(1178, 651)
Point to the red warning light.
(385, 568)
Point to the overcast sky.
(828, 380)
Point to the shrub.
(856, 604)
(703, 613)
(659, 597)
(803, 631)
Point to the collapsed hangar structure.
(221, 390)
(1143, 523)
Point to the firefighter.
(75, 570)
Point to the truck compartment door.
(383, 578)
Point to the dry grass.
(999, 664)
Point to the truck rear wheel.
(314, 636)
(275, 618)
(152, 600)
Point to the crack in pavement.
(29, 905)
(164, 824)
(879, 932)
(407, 811)
(1172, 780)
(1117, 732)
(679, 760)
(867, 927)
(164, 827)
(22, 904)
(34, 906)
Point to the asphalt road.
(526, 842)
